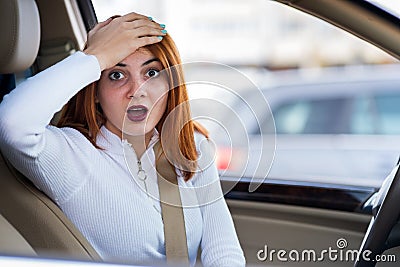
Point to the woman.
(98, 165)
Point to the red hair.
(83, 114)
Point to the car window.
(318, 138)
(319, 116)
(363, 120)
(376, 114)
(292, 118)
(388, 113)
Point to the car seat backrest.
(20, 35)
(12, 243)
(39, 220)
(32, 214)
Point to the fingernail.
(164, 31)
(150, 18)
(162, 26)
(160, 37)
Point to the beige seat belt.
(171, 210)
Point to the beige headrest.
(20, 34)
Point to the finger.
(134, 16)
(103, 23)
(144, 22)
(148, 31)
(100, 25)
(148, 40)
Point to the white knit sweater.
(99, 189)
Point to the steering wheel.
(382, 223)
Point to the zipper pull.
(141, 173)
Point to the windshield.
(389, 5)
(268, 69)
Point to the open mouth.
(137, 113)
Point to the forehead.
(138, 57)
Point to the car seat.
(26, 214)
(12, 243)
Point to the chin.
(137, 129)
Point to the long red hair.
(85, 115)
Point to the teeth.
(137, 109)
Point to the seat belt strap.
(171, 210)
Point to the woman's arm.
(28, 109)
(39, 151)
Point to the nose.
(136, 89)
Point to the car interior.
(279, 214)
(44, 228)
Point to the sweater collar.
(113, 143)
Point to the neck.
(139, 143)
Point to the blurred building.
(256, 33)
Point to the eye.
(152, 73)
(116, 75)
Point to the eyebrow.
(144, 64)
(149, 61)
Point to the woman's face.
(133, 94)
